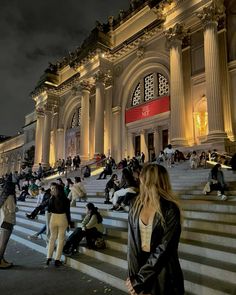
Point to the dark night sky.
(34, 33)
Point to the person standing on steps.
(59, 207)
(154, 228)
(7, 218)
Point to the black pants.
(217, 187)
(76, 237)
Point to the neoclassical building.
(161, 72)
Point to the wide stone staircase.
(208, 242)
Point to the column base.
(216, 136)
(179, 142)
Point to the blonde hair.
(154, 185)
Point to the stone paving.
(30, 276)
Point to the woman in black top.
(59, 207)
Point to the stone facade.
(161, 72)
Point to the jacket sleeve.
(85, 221)
(92, 222)
(159, 256)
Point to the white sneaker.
(218, 193)
(224, 197)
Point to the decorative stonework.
(108, 79)
(85, 85)
(99, 77)
(212, 12)
(60, 90)
(140, 51)
(175, 34)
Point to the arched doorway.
(72, 135)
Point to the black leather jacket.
(161, 273)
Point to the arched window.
(162, 85)
(150, 87)
(76, 118)
(136, 98)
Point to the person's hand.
(130, 287)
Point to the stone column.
(209, 17)
(143, 141)
(227, 104)
(38, 138)
(46, 136)
(157, 141)
(178, 124)
(116, 133)
(130, 144)
(99, 114)
(60, 143)
(53, 142)
(108, 115)
(85, 126)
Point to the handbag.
(207, 188)
(100, 243)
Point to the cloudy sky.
(34, 33)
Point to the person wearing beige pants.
(59, 209)
(58, 225)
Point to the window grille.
(163, 85)
(76, 119)
(149, 87)
(136, 99)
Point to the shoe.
(58, 263)
(113, 208)
(4, 264)
(120, 208)
(33, 237)
(28, 215)
(107, 202)
(218, 193)
(224, 197)
(48, 261)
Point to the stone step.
(115, 261)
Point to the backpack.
(100, 243)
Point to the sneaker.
(120, 208)
(218, 193)
(224, 197)
(57, 263)
(4, 264)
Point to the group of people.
(154, 223)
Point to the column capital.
(108, 79)
(39, 112)
(175, 35)
(99, 77)
(85, 85)
(211, 13)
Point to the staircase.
(208, 242)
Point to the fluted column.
(84, 125)
(157, 141)
(38, 138)
(143, 141)
(227, 104)
(53, 142)
(99, 114)
(108, 115)
(209, 17)
(130, 144)
(46, 136)
(174, 36)
(60, 143)
(116, 133)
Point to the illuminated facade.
(161, 72)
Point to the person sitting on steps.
(92, 228)
(111, 186)
(217, 182)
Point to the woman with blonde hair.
(154, 226)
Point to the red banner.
(149, 109)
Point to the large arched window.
(76, 118)
(150, 87)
